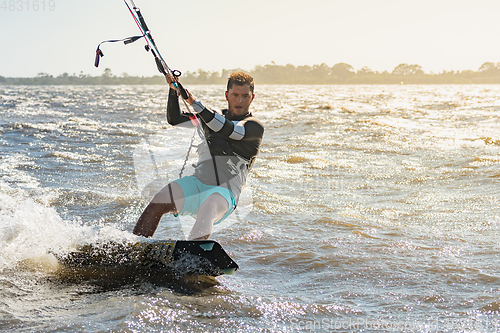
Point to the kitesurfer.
(231, 141)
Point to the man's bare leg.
(211, 211)
(160, 205)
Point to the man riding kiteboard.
(231, 141)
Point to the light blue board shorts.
(195, 193)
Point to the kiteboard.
(180, 257)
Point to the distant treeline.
(340, 73)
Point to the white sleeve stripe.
(217, 122)
(238, 131)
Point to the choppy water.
(375, 208)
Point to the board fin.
(207, 246)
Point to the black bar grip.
(183, 91)
(141, 19)
(98, 55)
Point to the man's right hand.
(170, 81)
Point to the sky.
(62, 35)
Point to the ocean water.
(369, 209)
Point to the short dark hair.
(240, 79)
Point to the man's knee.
(160, 208)
(172, 195)
(161, 198)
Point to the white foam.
(28, 229)
(31, 232)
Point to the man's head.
(241, 79)
(239, 94)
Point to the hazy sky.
(216, 34)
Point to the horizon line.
(271, 64)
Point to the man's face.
(239, 99)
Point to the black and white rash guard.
(229, 146)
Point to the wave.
(31, 231)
